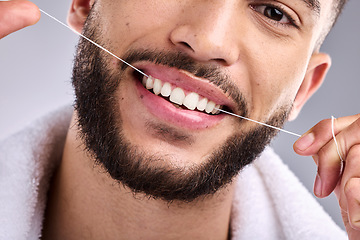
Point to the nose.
(205, 32)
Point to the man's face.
(249, 57)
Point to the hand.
(17, 14)
(334, 175)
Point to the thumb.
(17, 14)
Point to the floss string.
(335, 141)
(88, 39)
(104, 49)
(264, 124)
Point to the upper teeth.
(177, 95)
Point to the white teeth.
(216, 111)
(210, 107)
(144, 79)
(191, 100)
(202, 104)
(166, 89)
(177, 95)
(150, 83)
(157, 86)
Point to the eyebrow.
(314, 5)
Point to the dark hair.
(337, 9)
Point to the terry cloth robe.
(269, 202)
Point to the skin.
(238, 54)
(100, 209)
(16, 15)
(318, 142)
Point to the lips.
(180, 98)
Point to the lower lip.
(166, 111)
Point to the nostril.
(220, 60)
(185, 44)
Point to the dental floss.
(264, 124)
(102, 48)
(336, 143)
(99, 46)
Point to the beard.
(100, 126)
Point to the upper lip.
(188, 82)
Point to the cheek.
(277, 79)
(126, 23)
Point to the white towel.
(269, 203)
(27, 160)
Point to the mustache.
(182, 61)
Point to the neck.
(85, 203)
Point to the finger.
(329, 163)
(346, 191)
(314, 139)
(329, 170)
(352, 195)
(17, 14)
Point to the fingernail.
(318, 186)
(305, 141)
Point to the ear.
(318, 67)
(79, 10)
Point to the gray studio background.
(35, 67)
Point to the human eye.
(276, 14)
